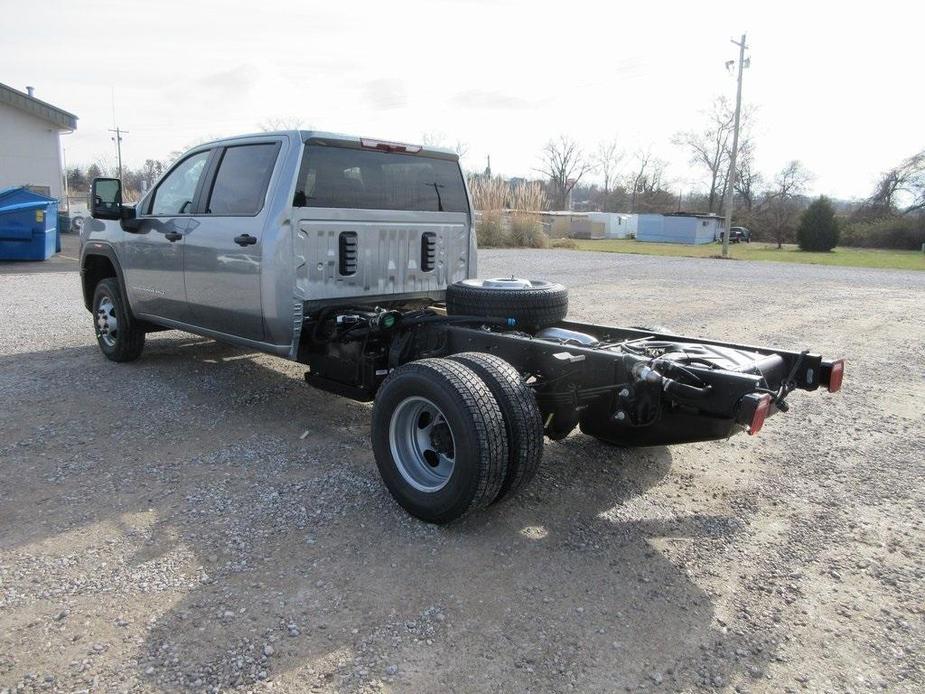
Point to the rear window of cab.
(362, 179)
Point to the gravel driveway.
(202, 520)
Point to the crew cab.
(357, 258)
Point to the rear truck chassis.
(462, 401)
(621, 389)
(442, 383)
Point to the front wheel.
(439, 439)
(119, 338)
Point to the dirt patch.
(169, 525)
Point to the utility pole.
(118, 140)
(731, 178)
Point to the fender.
(99, 248)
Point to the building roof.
(61, 119)
(699, 215)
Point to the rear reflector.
(389, 146)
(760, 414)
(836, 374)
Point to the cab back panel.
(346, 254)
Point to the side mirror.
(106, 198)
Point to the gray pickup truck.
(357, 258)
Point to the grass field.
(851, 257)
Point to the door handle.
(173, 236)
(245, 240)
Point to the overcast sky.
(836, 85)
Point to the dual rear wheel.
(455, 435)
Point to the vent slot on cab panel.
(428, 251)
(347, 253)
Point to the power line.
(731, 178)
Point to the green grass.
(849, 257)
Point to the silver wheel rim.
(107, 325)
(507, 283)
(511, 283)
(422, 444)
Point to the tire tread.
(532, 308)
(522, 417)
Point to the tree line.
(772, 207)
(134, 181)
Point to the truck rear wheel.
(439, 439)
(117, 334)
(533, 304)
(523, 421)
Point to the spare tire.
(533, 304)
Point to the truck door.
(224, 242)
(152, 255)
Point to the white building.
(30, 146)
(616, 225)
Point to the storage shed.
(678, 228)
(616, 225)
(567, 224)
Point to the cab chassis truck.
(357, 258)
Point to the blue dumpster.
(28, 225)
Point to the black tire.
(477, 442)
(537, 305)
(523, 421)
(124, 341)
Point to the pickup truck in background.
(357, 258)
(737, 235)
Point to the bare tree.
(710, 147)
(563, 165)
(779, 205)
(438, 139)
(906, 181)
(280, 123)
(749, 179)
(645, 178)
(607, 159)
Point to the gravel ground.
(201, 520)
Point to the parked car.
(736, 235)
(78, 212)
(357, 258)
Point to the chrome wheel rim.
(422, 444)
(107, 325)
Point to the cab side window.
(242, 179)
(175, 193)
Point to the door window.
(175, 193)
(241, 182)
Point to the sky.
(835, 85)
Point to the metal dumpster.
(28, 225)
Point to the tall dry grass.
(527, 201)
(489, 196)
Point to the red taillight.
(760, 414)
(836, 374)
(389, 146)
